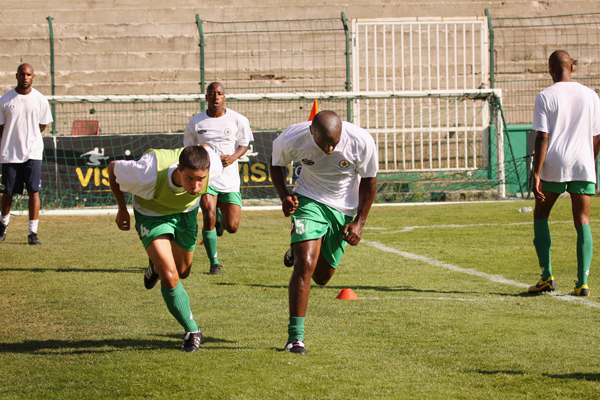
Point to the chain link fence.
(521, 47)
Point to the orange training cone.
(347, 294)
(314, 110)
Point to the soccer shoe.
(33, 239)
(2, 231)
(583, 291)
(215, 269)
(547, 285)
(191, 341)
(151, 276)
(219, 223)
(288, 257)
(295, 346)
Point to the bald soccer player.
(329, 206)
(567, 120)
(24, 114)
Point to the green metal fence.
(309, 55)
(520, 48)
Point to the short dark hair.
(194, 157)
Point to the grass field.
(442, 313)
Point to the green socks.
(542, 243)
(584, 254)
(296, 328)
(210, 245)
(178, 303)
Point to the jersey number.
(144, 231)
(300, 227)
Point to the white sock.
(4, 219)
(33, 225)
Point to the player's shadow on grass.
(43, 347)
(354, 287)
(127, 271)
(499, 372)
(582, 376)
(586, 377)
(208, 340)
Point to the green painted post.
(492, 84)
(53, 108)
(492, 66)
(201, 44)
(348, 53)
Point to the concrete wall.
(151, 47)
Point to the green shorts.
(313, 220)
(182, 227)
(230, 198)
(575, 187)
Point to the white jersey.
(21, 115)
(570, 114)
(331, 179)
(139, 178)
(224, 135)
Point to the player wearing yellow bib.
(166, 186)
(329, 206)
(228, 133)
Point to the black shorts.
(16, 176)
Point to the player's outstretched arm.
(366, 195)
(289, 202)
(123, 219)
(539, 156)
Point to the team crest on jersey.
(201, 131)
(227, 132)
(307, 161)
(344, 164)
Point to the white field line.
(474, 272)
(412, 228)
(113, 210)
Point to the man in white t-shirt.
(166, 187)
(567, 120)
(228, 133)
(329, 206)
(24, 114)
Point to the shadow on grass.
(44, 347)
(314, 286)
(585, 377)
(499, 372)
(129, 271)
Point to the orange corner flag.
(347, 294)
(314, 110)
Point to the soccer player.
(329, 206)
(567, 120)
(166, 186)
(24, 114)
(228, 133)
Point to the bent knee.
(231, 228)
(320, 280)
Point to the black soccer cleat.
(2, 231)
(151, 276)
(191, 341)
(32, 239)
(295, 346)
(215, 269)
(288, 257)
